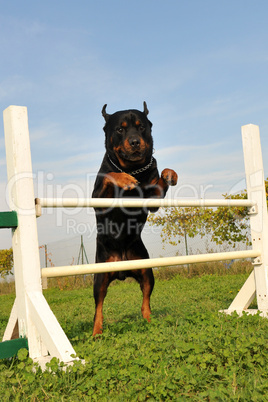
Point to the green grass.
(188, 352)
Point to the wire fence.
(81, 249)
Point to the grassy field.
(188, 352)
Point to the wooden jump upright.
(31, 316)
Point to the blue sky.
(201, 66)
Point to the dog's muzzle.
(134, 142)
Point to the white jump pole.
(138, 203)
(31, 314)
(101, 267)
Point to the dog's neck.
(134, 172)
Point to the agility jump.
(31, 316)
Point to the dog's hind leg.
(147, 285)
(144, 277)
(101, 283)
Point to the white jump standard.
(31, 316)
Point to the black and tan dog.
(128, 170)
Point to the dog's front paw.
(170, 177)
(127, 182)
(122, 180)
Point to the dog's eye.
(119, 130)
(141, 127)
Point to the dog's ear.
(145, 109)
(105, 115)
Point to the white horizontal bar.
(139, 202)
(148, 263)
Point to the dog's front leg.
(159, 188)
(168, 178)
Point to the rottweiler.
(128, 169)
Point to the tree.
(223, 224)
(6, 262)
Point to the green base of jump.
(11, 348)
(8, 220)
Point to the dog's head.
(128, 136)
